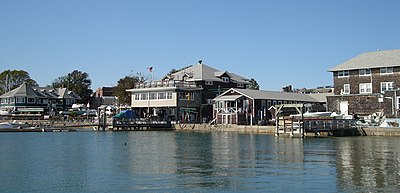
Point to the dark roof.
(388, 58)
(24, 90)
(273, 95)
(202, 72)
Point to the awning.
(228, 98)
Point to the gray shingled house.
(26, 98)
(366, 84)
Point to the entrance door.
(344, 107)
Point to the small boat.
(3, 112)
(314, 114)
(13, 125)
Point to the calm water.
(196, 162)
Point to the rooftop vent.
(200, 61)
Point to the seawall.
(367, 131)
(234, 128)
(382, 131)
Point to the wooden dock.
(136, 125)
(36, 129)
(303, 127)
(299, 125)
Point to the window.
(225, 79)
(208, 82)
(162, 95)
(153, 96)
(344, 73)
(20, 100)
(240, 85)
(365, 72)
(186, 96)
(387, 70)
(137, 97)
(365, 88)
(346, 89)
(169, 95)
(11, 100)
(386, 86)
(31, 100)
(144, 96)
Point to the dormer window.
(240, 85)
(386, 70)
(208, 82)
(365, 72)
(344, 73)
(225, 79)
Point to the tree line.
(79, 83)
(76, 81)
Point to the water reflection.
(196, 162)
(368, 164)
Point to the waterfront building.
(367, 84)
(185, 95)
(246, 106)
(26, 98)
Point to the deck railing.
(171, 83)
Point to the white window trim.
(365, 87)
(364, 72)
(137, 97)
(380, 70)
(153, 96)
(398, 102)
(169, 95)
(209, 82)
(343, 76)
(225, 79)
(17, 100)
(388, 85)
(240, 85)
(346, 91)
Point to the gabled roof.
(202, 72)
(273, 95)
(24, 90)
(388, 58)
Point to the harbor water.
(168, 161)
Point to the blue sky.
(276, 42)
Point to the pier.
(302, 126)
(140, 125)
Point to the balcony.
(171, 83)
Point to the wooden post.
(291, 132)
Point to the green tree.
(254, 85)
(127, 82)
(10, 79)
(77, 82)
